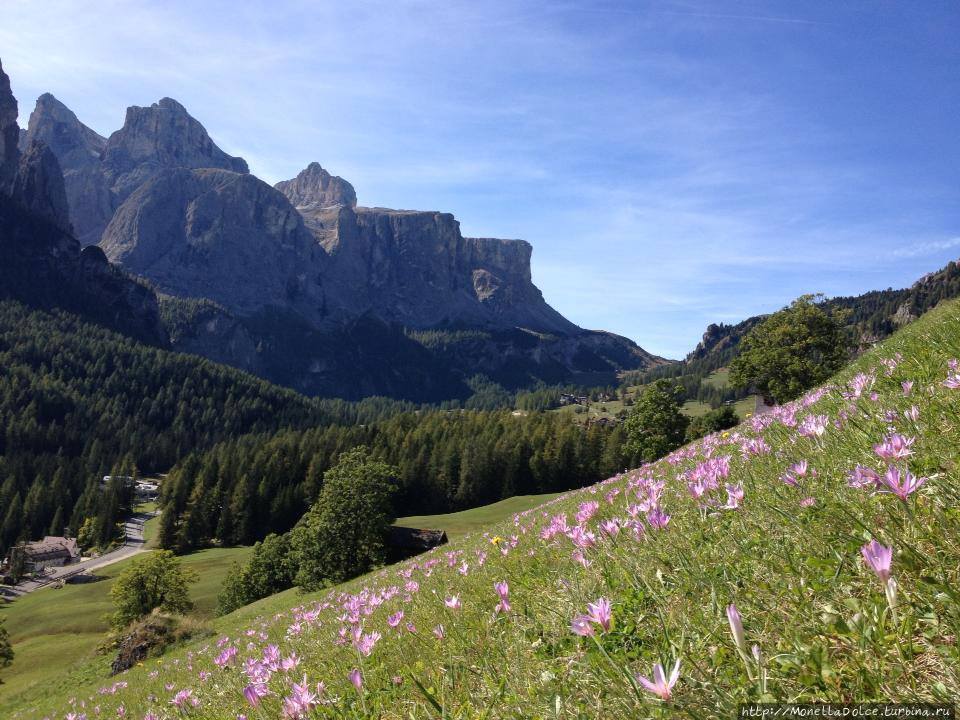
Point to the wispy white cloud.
(925, 249)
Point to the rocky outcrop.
(41, 263)
(316, 189)
(9, 133)
(78, 150)
(101, 173)
(38, 186)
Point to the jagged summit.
(41, 263)
(101, 173)
(54, 124)
(165, 135)
(316, 189)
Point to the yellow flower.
(496, 540)
(725, 435)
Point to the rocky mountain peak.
(164, 135)
(55, 125)
(316, 189)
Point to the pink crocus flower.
(395, 619)
(254, 691)
(734, 496)
(902, 484)
(356, 678)
(861, 477)
(907, 386)
(894, 447)
(878, 558)
(661, 685)
(300, 701)
(601, 613)
(736, 627)
(581, 625)
(183, 698)
(808, 502)
(439, 632)
(453, 603)
(503, 590)
(658, 518)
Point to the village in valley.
(56, 559)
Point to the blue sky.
(673, 162)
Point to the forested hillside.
(448, 460)
(77, 401)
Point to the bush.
(6, 649)
(270, 570)
(713, 421)
(155, 581)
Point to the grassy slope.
(818, 616)
(51, 625)
(465, 522)
(55, 633)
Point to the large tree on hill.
(344, 532)
(656, 426)
(791, 351)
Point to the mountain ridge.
(164, 202)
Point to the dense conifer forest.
(448, 460)
(78, 402)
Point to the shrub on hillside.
(155, 581)
(6, 649)
(269, 570)
(722, 418)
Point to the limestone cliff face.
(9, 133)
(221, 235)
(41, 263)
(78, 150)
(416, 269)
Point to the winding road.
(133, 545)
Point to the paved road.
(133, 545)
